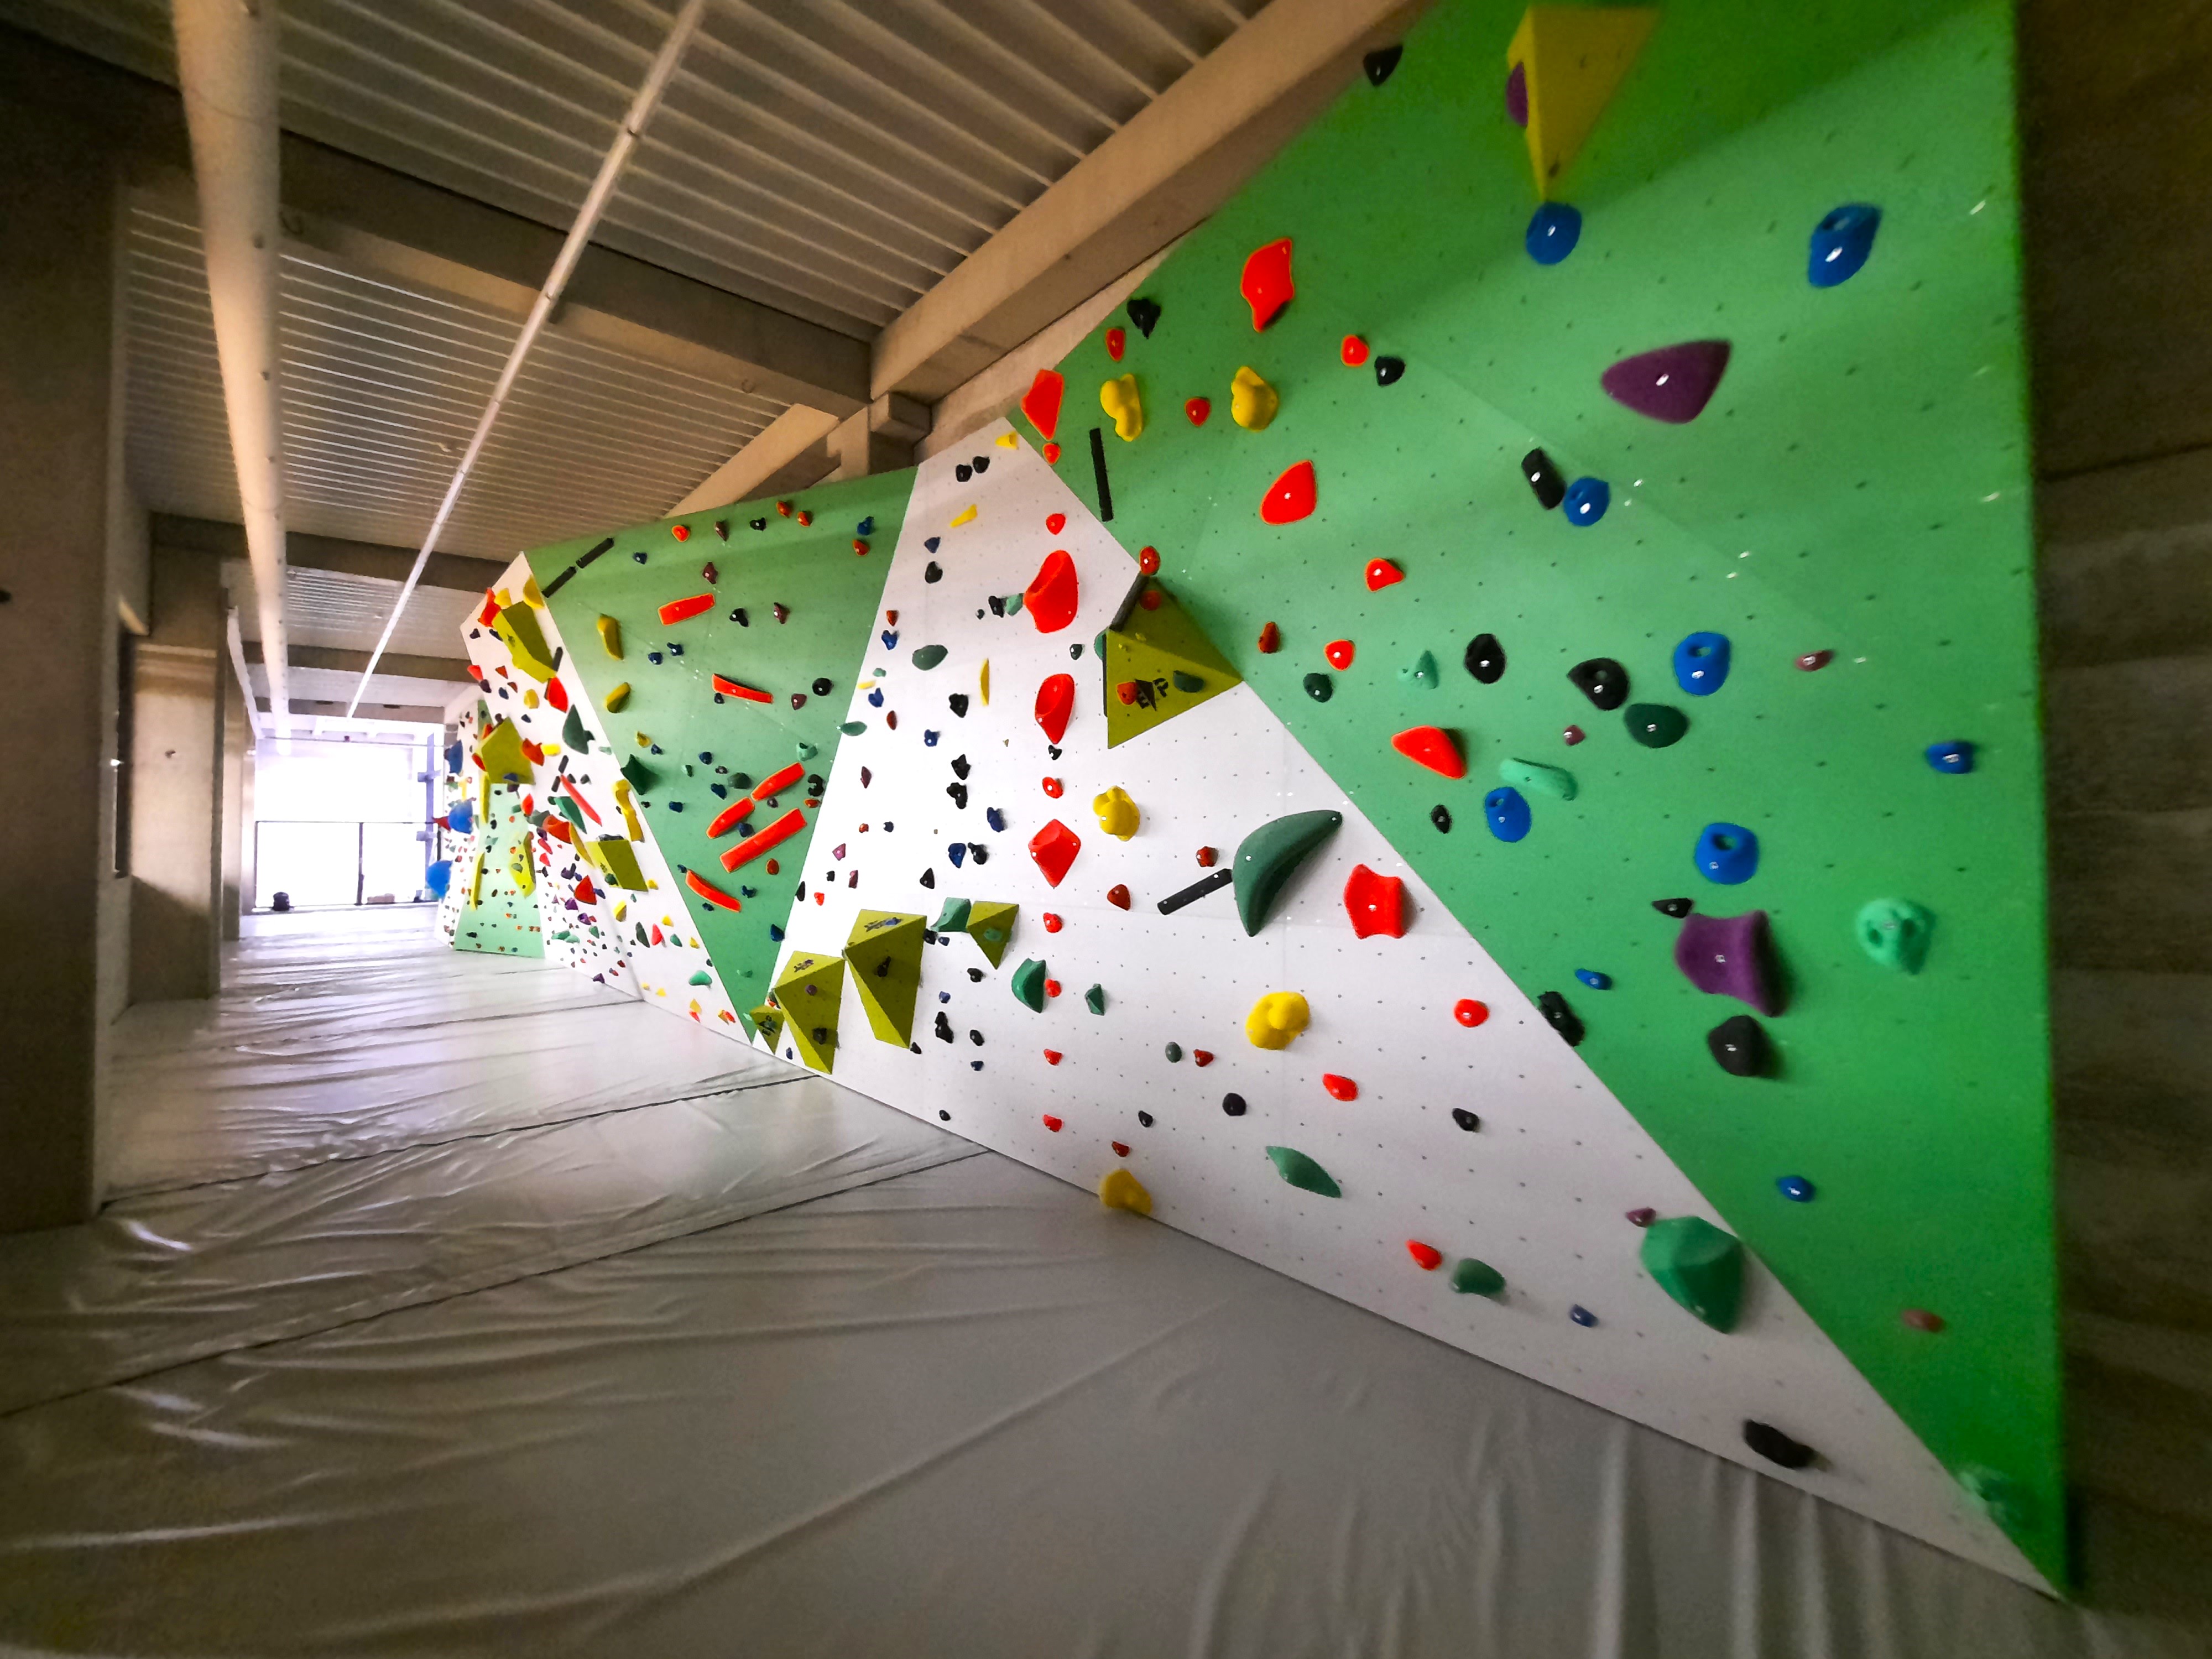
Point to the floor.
(457, 1305)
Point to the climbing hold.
(1381, 574)
(1506, 811)
(1117, 814)
(1266, 283)
(1381, 63)
(1655, 725)
(1920, 1319)
(1051, 1122)
(1517, 94)
(1542, 780)
(1267, 858)
(1271, 640)
(1252, 401)
(1796, 1189)
(1469, 1012)
(1696, 1264)
(1739, 1046)
(926, 656)
(1053, 924)
(1353, 352)
(1320, 687)
(1040, 403)
(1426, 1256)
(1389, 371)
(1594, 979)
(1375, 903)
(1120, 399)
(1233, 1105)
(953, 918)
(1472, 1278)
(615, 699)
(1553, 230)
(1052, 595)
(1812, 660)
(1145, 313)
(1207, 855)
(1895, 932)
(1301, 1171)
(1561, 1017)
(1466, 1119)
(1730, 955)
(1952, 757)
(1290, 497)
(1195, 410)
(1339, 653)
(1339, 1088)
(1201, 1057)
(1056, 702)
(1841, 242)
(1582, 1315)
(1119, 1190)
(1643, 1217)
(1028, 985)
(1118, 896)
(1094, 999)
(1485, 659)
(1433, 747)
(1148, 560)
(1587, 501)
(611, 637)
(1776, 1447)
(1055, 847)
(1421, 672)
(1727, 853)
(1440, 816)
(1117, 343)
(932, 572)
(1676, 908)
(1052, 1056)
(1276, 1018)
(1672, 383)
(1602, 680)
(1572, 59)
(1544, 479)
(1054, 787)
(1174, 1052)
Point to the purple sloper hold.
(1730, 955)
(1517, 94)
(1672, 384)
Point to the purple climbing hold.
(1730, 955)
(1517, 94)
(1672, 383)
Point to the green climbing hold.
(807, 751)
(1094, 999)
(853, 728)
(642, 777)
(1187, 681)
(1295, 1167)
(1473, 1278)
(1013, 604)
(1267, 858)
(952, 919)
(1699, 1265)
(1174, 1053)
(573, 735)
(926, 656)
(702, 977)
(1531, 777)
(1421, 672)
(1655, 725)
(1028, 985)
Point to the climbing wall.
(490, 901)
(1761, 601)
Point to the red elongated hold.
(761, 840)
(1271, 640)
(729, 817)
(860, 544)
(1672, 383)
(804, 516)
(730, 687)
(1375, 903)
(1052, 1122)
(1051, 454)
(1432, 747)
(777, 782)
(1148, 560)
(1121, 1148)
(569, 784)
(1052, 595)
(1340, 1088)
(1055, 847)
(1812, 660)
(1202, 1056)
(1053, 1056)
(1040, 403)
(1469, 1012)
(681, 532)
(1339, 653)
(1054, 523)
(1118, 896)
(1355, 351)
(586, 893)
(1428, 1257)
(707, 890)
(1053, 924)
(676, 609)
(1195, 410)
(1265, 284)
(1056, 702)
(1053, 787)
(556, 695)
(1290, 497)
(1207, 855)
(1117, 343)
(1381, 574)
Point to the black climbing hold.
(960, 766)
(917, 1047)
(738, 615)
(1561, 1017)
(1465, 1119)
(957, 703)
(639, 557)
(977, 853)
(960, 793)
(759, 523)
(944, 1116)
(586, 558)
(963, 472)
(1075, 650)
(1440, 815)
(1198, 890)
(944, 1027)
(1389, 371)
(1485, 659)
(975, 1037)
(1233, 1104)
(1655, 725)
(998, 605)
(932, 572)
(977, 974)
(1380, 63)
(982, 464)
(1098, 473)
(1740, 1045)
(1146, 314)
(824, 686)
(1676, 908)
(814, 787)
(1320, 687)
(929, 879)
(1544, 479)
(1053, 749)
(1776, 1447)
(1602, 680)
(1144, 1118)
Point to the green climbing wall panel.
(505, 920)
(1859, 484)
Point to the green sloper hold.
(1094, 999)
(1699, 1265)
(884, 950)
(1655, 725)
(926, 656)
(642, 777)
(952, 919)
(573, 735)
(991, 924)
(1532, 775)
(1295, 1167)
(1473, 1278)
(810, 989)
(1267, 857)
(853, 728)
(1028, 985)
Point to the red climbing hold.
(676, 609)
(1202, 1056)
(776, 782)
(1053, 924)
(1116, 343)
(1052, 787)
(1643, 1217)
(1375, 903)
(1151, 598)
(1148, 560)
(758, 843)
(1121, 1148)
(1055, 847)
(707, 890)
(1205, 858)
(1040, 403)
(1381, 574)
(586, 893)
(1118, 896)
(1052, 987)
(1051, 597)
(1052, 1122)
(1342, 1088)
(804, 516)
(681, 532)
(1053, 1056)
(730, 687)
(1056, 702)
(1339, 653)
(892, 616)
(1469, 1012)
(860, 545)
(784, 507)
(1355, 351)
(557, 694)
(1195, 410)
(1271, 640)
(1919, 1319)
(1813, 660)
(1051, 454)
(1573, 734)
(1428, 1256)
(1054, 523)
(1290, 497)
(1267, 285)
(1432, 747)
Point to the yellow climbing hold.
(611, 637)
(1120, 398)
(615, 698)
(500, 751)
(1008, 440)
(614, 858)
(475, 881)
(983, 683)
(1252, 401)
(1276, 1018)
(1121, 1190)
(530, 595)
(529, 698)
(965, 515)
(1117, 814)
(631, 827)
(518, 629)
(622, 909)
(1572, 59)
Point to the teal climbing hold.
(702, 977)
(953, 918)
(1895, 933)
(1699, 1265)
(1094, 999)
(853, 728)
(1473, 1278)
(1028, 985)
(1421, 672)
(1537, 779)
(642, 777)
(1267, 858)
(926, 656)
(807, 751)
(1295, 1167)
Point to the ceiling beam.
(775, 447)
(1171, 165)
(397, 664)
(454, 571)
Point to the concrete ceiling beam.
(456, 572)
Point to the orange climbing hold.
(1118, 896)
(1469, 1012)
(676, 609)
(1052, 595)
(730, 687)
(1381, 574)
(707, 890)
(1197, 408)
(1428, 1256)
(1432, 747)
(754, 844)
(1342, 1088)
(1055, 847)
(1117, 343)
(1148, 560)
(1339, 653)
(1056, 702)
(681, 532)
(777, 782)
(1375, 903)
(1040, 403)
(1267, 285)
(1290, 497)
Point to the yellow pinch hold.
(965, 515)
(1276, 1018)
(615, 699)
(1252, 401)
(1121, 1190)
(1120, 399)
(1117, 814)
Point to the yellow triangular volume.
(768, 1022)
(1572, 59)
(808, 990)
(517, 628)
(500, 751)
(885, 952)
(1159, 665)
(991, 924)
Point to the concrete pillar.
(879, 438)
(177, 791)
(236, 894)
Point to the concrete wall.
(176, 763)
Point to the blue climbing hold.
(1727, 853)
(1506, 810)
(1796, 1188)
(956, 851)
(876, 698)
(932, 542)
(437, 877)
(461, 817)
(994, 818)
(1701, 663)
(774, 935)
(889, 638)
(1587, 501)
(1582, 1315)
(1952, 757)
(1841, 243)
(1594, 980)
(1553, 230)
(929, 740)
(653, 657)
(866, 526)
